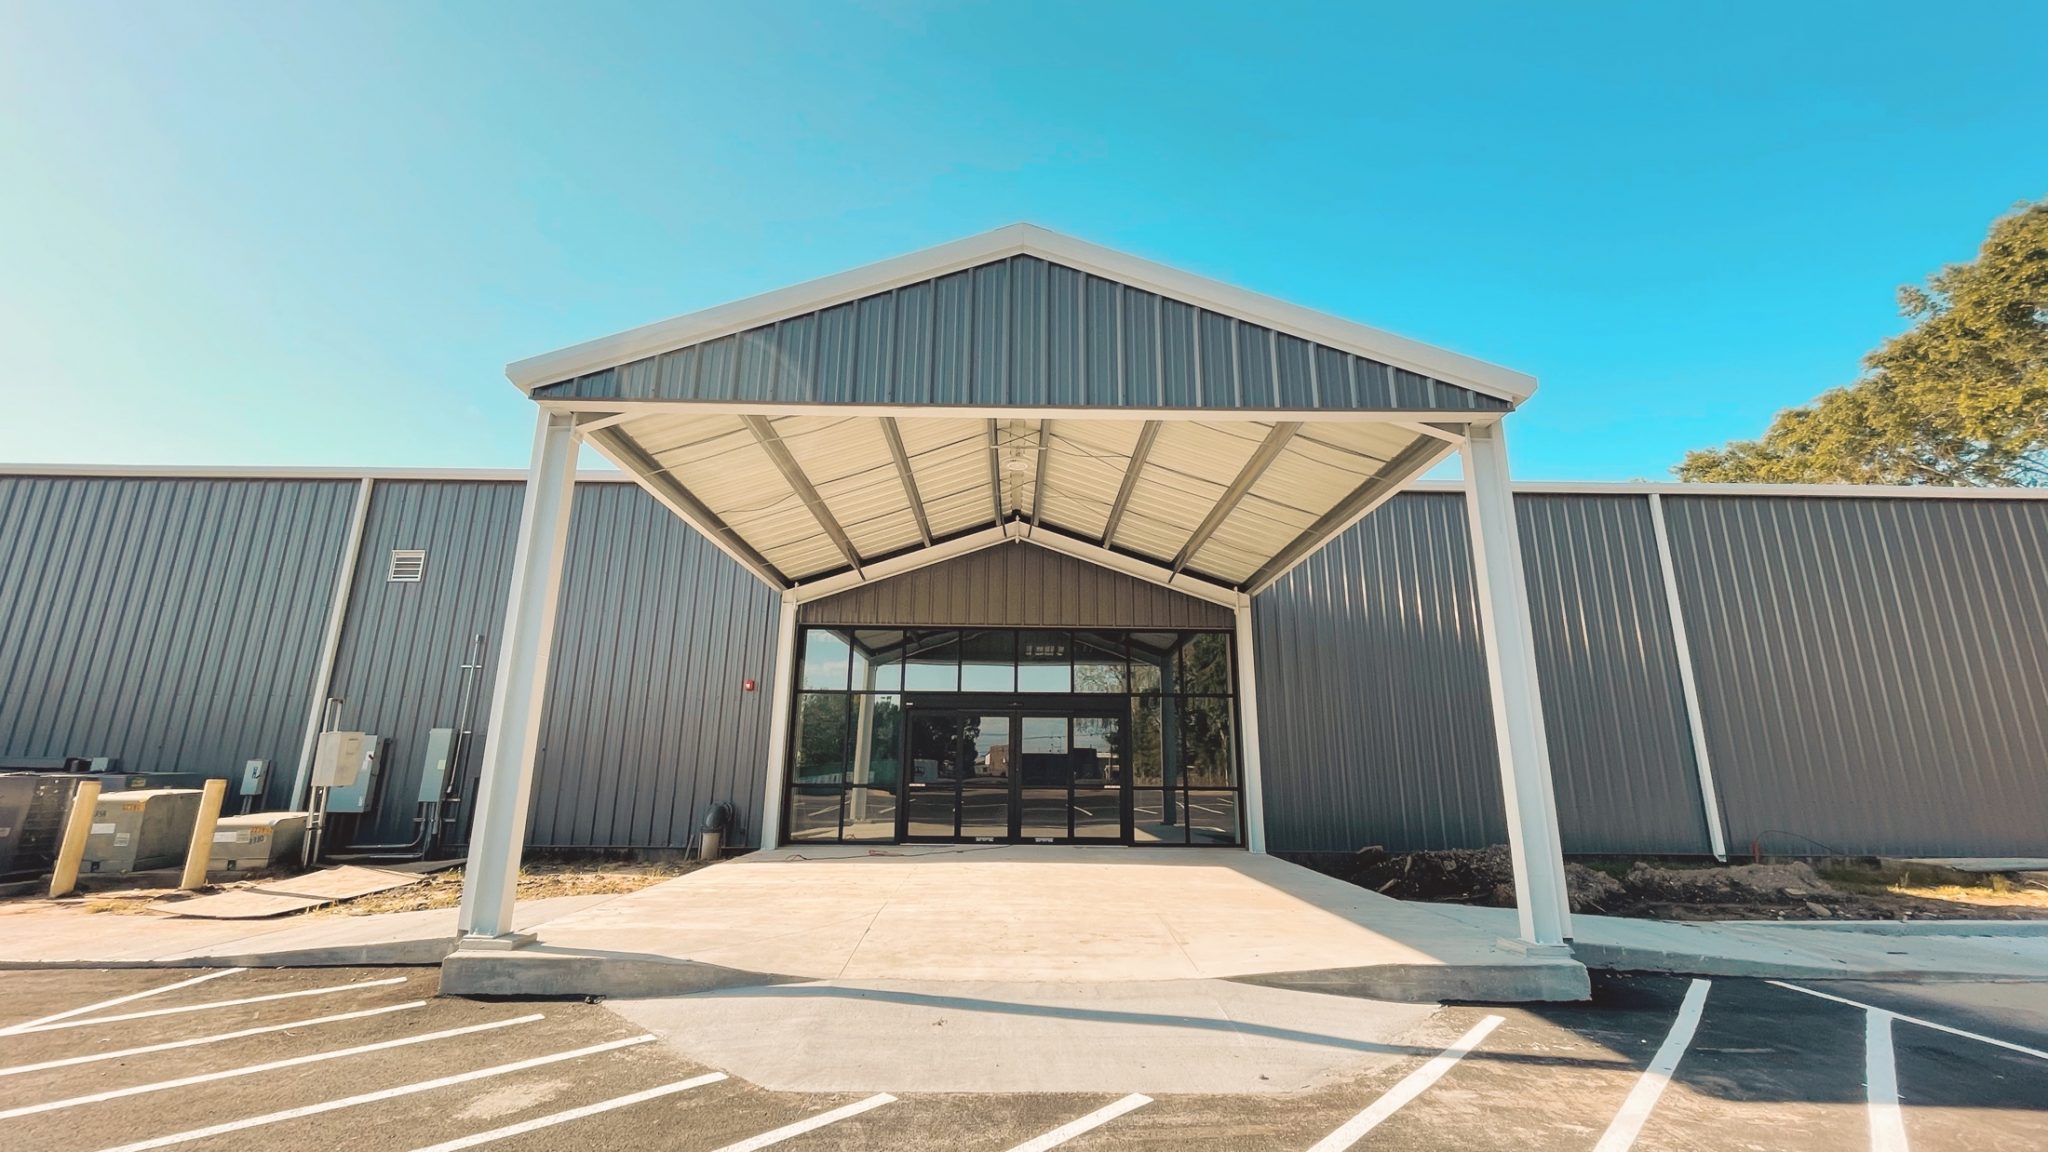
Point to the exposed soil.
(1843, 888)
(537, 881)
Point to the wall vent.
(407, 565)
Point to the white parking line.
(271, 1066)
(1411, 1086)
(790, 1131)
(208, 1006)
(35, 1025)
(1881, 1078)
(167, 1045)
(2006, 1044)
(1628, 1123)
(555, 1118)
(1088, 1123)
(374, 1097)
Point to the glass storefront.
(1014, 735)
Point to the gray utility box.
(256, 841)
(137, 831)
(32, 809)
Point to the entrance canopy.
(1018, 383)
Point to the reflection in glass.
(870, 814)
(1205, 664)
(1098, 751)
(988, 662)
(1155, 817)
(984, 812)
(932, 662)
(1212, 817)
(1207, 754)
(1099, 662)
(884, 649)
(825, 660)
(1043, 663)
(1152, 661)
(877, 741)
(821, 738)
(1097, 814)
(1147, 742)
(814, 813)
(988, 749)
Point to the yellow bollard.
(77, 826)
(202, 836)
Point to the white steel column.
(1688, 684)
(524, 646)
(1248, 728)
(1541, 904)
(778, 724)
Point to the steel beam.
(778, 452)
(894, 436)
(1408, 463)
(1148, 434)
(631, 459)
(1268, 451)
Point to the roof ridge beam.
(778, 452)
(1263, 457)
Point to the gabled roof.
(1342, 364)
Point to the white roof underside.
(1218, 499)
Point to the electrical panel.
(255, 778)
(32, 811)
(434, 774)
(338, 758)
(138, 831)
(354, 794)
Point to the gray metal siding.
(1621, 757)
(173, 623)
(645, 720)
(1029, 333)
(1016, 585)
(1375, 721)
(1873, 673)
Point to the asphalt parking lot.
(372, 1059)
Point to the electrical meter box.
(255, 778)
(337, 758)
(137, 831)
(434, 774)
(354, 795)
(256, 841)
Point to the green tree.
(1959, 398)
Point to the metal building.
(1024, 540)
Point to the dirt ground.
(1845, 888)
(537, 880)
(140, 893)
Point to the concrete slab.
(1795, 950)
(1160, 1036)
(291, 894)
(72, 938)
(1021, 914)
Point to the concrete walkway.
(1801, 949)
(1035, 914)
(72, 937)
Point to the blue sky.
(299, 234)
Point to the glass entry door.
(996, 775)
(960, 781)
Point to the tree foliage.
(1959, 398)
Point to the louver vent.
(407, 565)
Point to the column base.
(479, 943)
(1534, 951)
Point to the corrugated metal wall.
(645, 721)
(173, 623)
(1023, 331)
(1016, 585)
(1375, 722)
(1873, 673)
